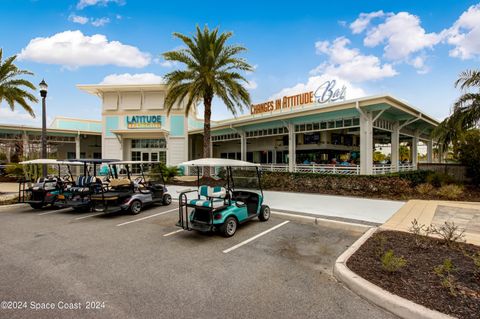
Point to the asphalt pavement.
(125, 266)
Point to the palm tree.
(465, 112)
(211, 68)
(12, 89)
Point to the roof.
(100, 88)
(95, 160)
(133, 162)
(48, 161)
(12, 127)
(316, 108)
(218, 162)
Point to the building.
(66, 138)
(318, 131)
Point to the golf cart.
(223, 208)
(86, 184)
(123, 194)
(40, 191)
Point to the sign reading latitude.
(327, 92)
(144, 121)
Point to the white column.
(274, 156)
(395, 146)
(78, 169)
(429, 151)
(25, 146)
(292, 147)
(243, 146)
(77, 146)
(366, 143)
(415, 140)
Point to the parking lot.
(143, 266)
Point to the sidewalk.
(8, 191)
(370, 210)
(466, 215)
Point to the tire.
(229, 227)
(264, 213)
(135, 207)
(166, 199)
(36, 206)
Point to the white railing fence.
(322, 169)
(328, 169)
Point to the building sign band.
(327, 92)
(144, 121)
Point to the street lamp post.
(43, 93)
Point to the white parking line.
(255, 237)
(173, 232)
(143, 218)
(55, 211)
(92, 215)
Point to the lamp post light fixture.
(43, 93)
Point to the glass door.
(145, 156)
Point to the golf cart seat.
(82, 184)
(213, 197)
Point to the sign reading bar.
(327, 92)
(144, 121)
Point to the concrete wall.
(458, 172)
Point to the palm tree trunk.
(207, 152)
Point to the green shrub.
(392, 263)
(451, 191)
(439, 179)
(168, 172)
(14, 170)
(415, 177)
(449, 232)
(420, 232)
(469, 154)
(445, 272)
(424, 188)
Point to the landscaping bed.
(438, 276)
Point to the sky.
(413, 50)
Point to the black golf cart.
(40, 191)
(125, 194)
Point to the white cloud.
(18, 116)
(464, 35)
(127, 78)
(403, 36)
(100, 22)
(251, 85)
(86, 3)
(78, 19)
(164, 63)
(350, 64)
(314, 82)
(363, 20)
(73, 49)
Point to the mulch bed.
(417, 281)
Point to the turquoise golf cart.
(222, 208)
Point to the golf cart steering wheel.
(139, 180)
(66, 178)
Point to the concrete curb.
(331, 223)
(397, 305)
(4, 207)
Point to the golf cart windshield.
(245, 178)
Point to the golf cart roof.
(133, 162)
(94, 160)
(218, 162)
(48, 161)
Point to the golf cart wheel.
(229, 227)
(264, 213)
(167, 199)
(135, 207)
(36, 206)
